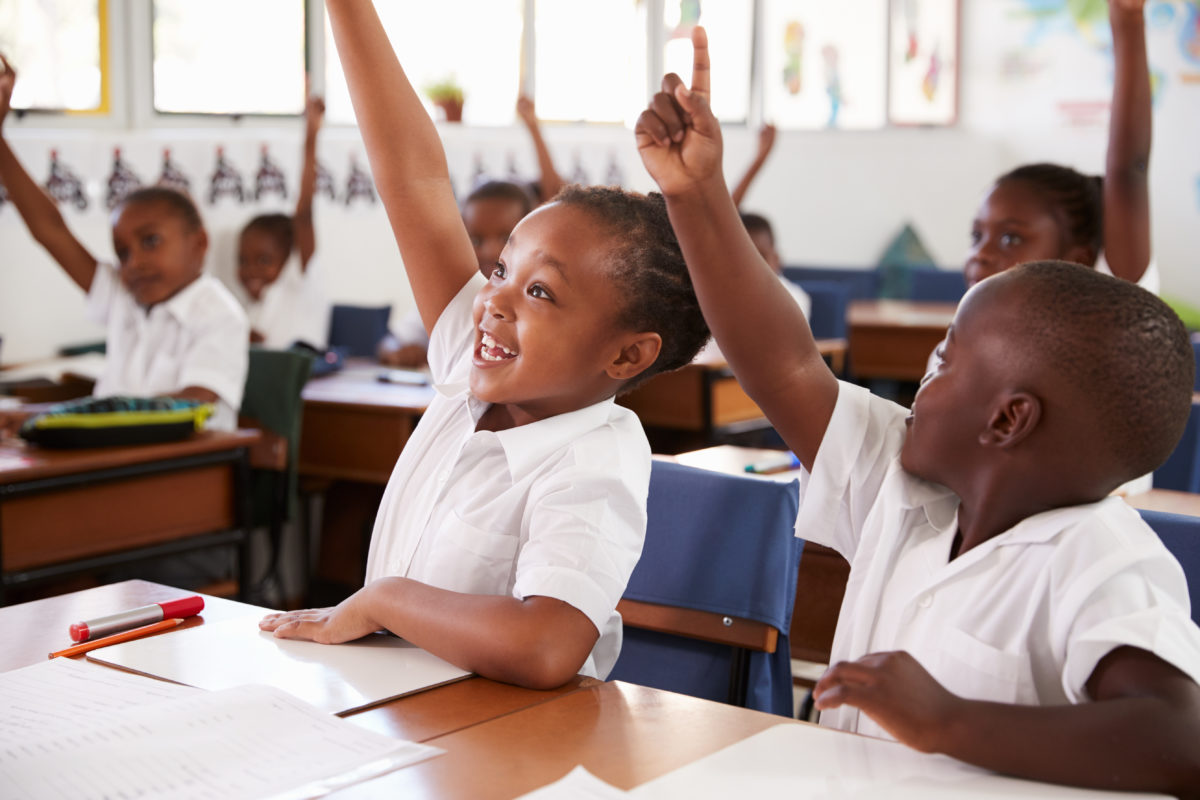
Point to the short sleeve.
(102, 293)
(453, 335)
(860, 446)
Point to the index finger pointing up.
(700, 70)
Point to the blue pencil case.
(115, 421)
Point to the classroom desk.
(65, 512)
(1166, 500)
(823, 572)
(704, 397)
(893, 338)
(31, 630)
(355, 426)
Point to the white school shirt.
(554, 508)
(294, 307)
(197, 337)
(1021, 618)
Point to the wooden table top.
(22, 461)
(358, 386)
(900, 313)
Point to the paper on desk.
(248, 742)
(578, 784)
(805, 761)
(61, 695)
(338, 678)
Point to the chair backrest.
(829, 302)
(1181, 534)
(940, 285)
(274, 381)
(358, 329)
(1181, 470)
(720, 559)
(863, 282)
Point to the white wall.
(835, 198)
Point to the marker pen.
(124, 620)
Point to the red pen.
(114, 623)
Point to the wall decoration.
(121, 180)
(225, 181)
(64, 185)
(172, 177)
(269, 179)
(923, 62)
(325, 183)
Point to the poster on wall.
(923, 62)
(825, 64)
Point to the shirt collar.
(939, 503)
(180, 304)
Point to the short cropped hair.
(1121, 346)
(278, 226)
(648, 267)
(755, 223)
(1077, 200)
(175, 202)
(502, 190)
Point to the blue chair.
(358, 330)
(1181, 470)
(936, 285)
(709, 606)
(863, 282)
(1181, 534)
(1196, 353)
(829, 302)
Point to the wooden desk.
(65, 512)
(821, 584)
(355, 426)
(704, 397)
(1166, 500)
(893, 338)
(31, 630)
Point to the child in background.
(517, 511)
(1042, 211)
(275, 261)
(1002, 608)
(171, 330)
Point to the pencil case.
(114, 421)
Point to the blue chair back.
(1196, 353)
(829, 302)
(1181, 534)
(358, 330)
(726, 545)
(1181, 470)
(940, 285)
(863, 282)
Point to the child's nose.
(498, 303)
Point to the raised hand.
(678, 137)
(766, 140)
(895, 691)
(314, 110)
(8, 79)
(1136, 6)
(526, 111)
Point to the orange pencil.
(117, 638)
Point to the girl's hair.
(277, 226)
(502, 190)
(175, 202)
(648, 266)
(755, 223)
(1077, 199)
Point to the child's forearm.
(44, 220)
(760, 329)
(549, 181)
(538, 642)
(406, 158)
(306, 238)
(1126, 177)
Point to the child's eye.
(499, 272)
(976, 236)
(537, 290)
(1010, 240)
(150, 241)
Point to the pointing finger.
(700, 63)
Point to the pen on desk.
(777, 463)
(124, 620)
(136, 633)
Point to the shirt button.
(926, 601)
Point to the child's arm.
(306, 237)
(544, 641)
(1138, 733)
(760, 328)
(766, 140)
(406, 158)
(1126, 172)
(550, 181)
(40, 213)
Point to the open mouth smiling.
(491, 350)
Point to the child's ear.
(636, 355)
(1015, 417)
(1081, 254)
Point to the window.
(229, 57)
(590, 60)
(57, 47)
(475, 44)
(730, 28)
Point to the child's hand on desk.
(343, 623)
(895, 691)
(678, 137)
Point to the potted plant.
(448, 96)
